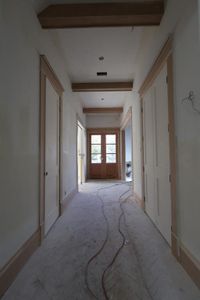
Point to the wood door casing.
(103, 169)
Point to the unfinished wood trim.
(102, 86)
(190, 264)
(175, 245)
(128, 117)
(139, 200)
(102, 14)
(67, 200)
(42, 152)
(46, 72)
(60, 153)
(142, 151)
(172, 150)
(102, 110)
(16, 263)
(157, 66)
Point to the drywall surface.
(133, 101)
(186, 79)
(102, 120)
(22, 42)
(182, 20)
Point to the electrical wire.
(104, 242)
(119, 249)
(191, 98)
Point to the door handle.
(45, 173)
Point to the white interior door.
(79, 154)
(149, 145)
(156, 155)
(162, 162)
(51, 157)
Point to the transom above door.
(103, 154)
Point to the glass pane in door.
(111, 148)
(95, 149)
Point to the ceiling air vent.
(102, 73)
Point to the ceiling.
(82, 47)
(103, 99)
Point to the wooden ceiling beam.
(102, 86)
(92, 110)
(102, 14)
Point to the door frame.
(46, 72)
(78, 120)
(127, 119)
(165, 57)
(100, 131)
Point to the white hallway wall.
(182, 19)
(102, 120)
(22, 41)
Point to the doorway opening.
(127, 148)
(128, 153)
(81, 157)
(103, 153)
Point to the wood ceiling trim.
(102, 86)
(102, 14)
(92, 110)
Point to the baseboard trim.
(175, 246)
(190, 264)
(68, 199)
(139, 200)
(16, 263)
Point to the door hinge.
(168, 128)
(167, 79)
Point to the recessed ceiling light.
(101, 58)
(101, 73)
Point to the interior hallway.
(144, 269)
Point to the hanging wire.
(190, 98)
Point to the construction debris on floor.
(103, 247)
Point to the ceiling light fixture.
(101, 73)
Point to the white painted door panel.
(51, 157)
(156, 152)
(149, 155)
(162, 167)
